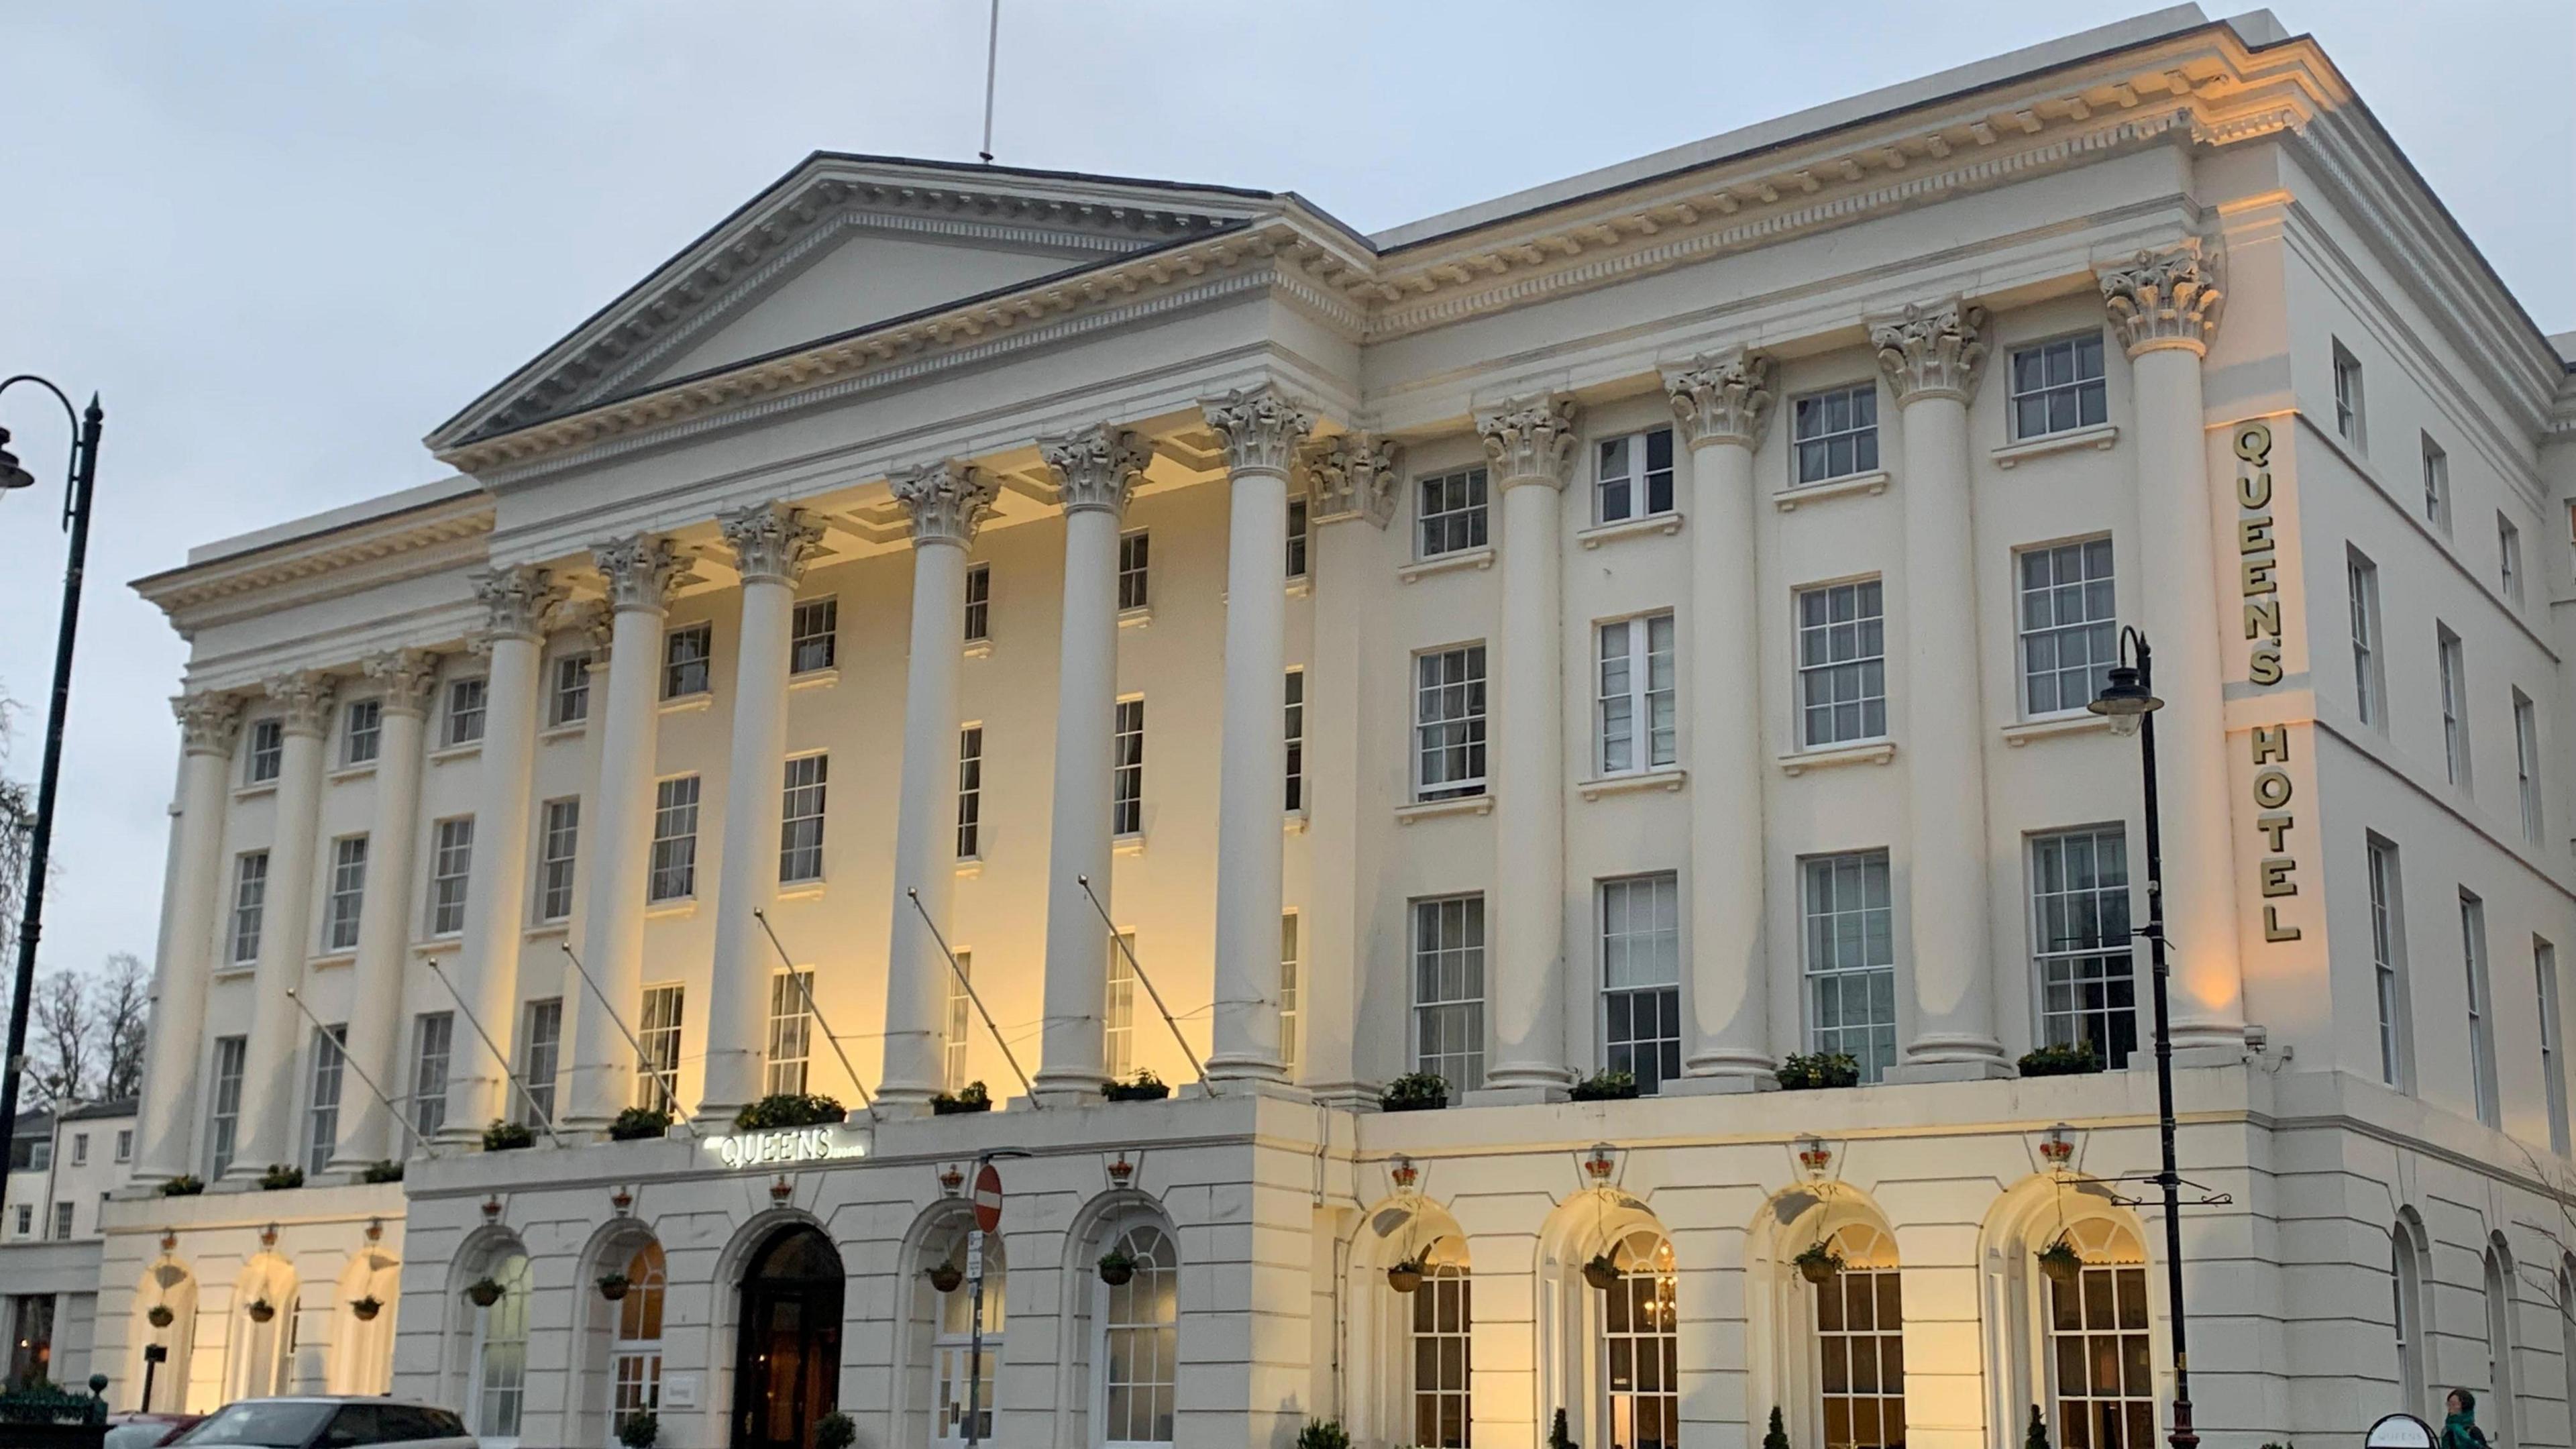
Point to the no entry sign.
(988, 1198)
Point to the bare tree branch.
(121, 999)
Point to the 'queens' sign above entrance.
(789, 1144)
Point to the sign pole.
(988, 1218)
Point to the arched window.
(952, 1351)
(1140, 1342)
(2103, 1370)
(290, 1319)
(2567, 1327)
(1860, 1344)
(501, 1353)
(2406, 1313)
(1639, 1346)
(635, 1356)
(2501, 1404)
(1442, 1320)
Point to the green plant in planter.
(2036, 1436)
(1142, 1087)
(790, 1109)
(507, 1136)
(835, 1431)
(2061, 1061)
(1777, 1436)
(184, 1185)
(635, 1124)
(1323, 1434)
(1818, 1262)
(638, 1431)
(1557, 1436)
(1117, 1266)
(381, 1171)
(280, 1177)
(1605, 1086)
(969, 1098)
(1810, 1071)
(1415, 1092)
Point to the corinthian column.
(515, 602)
(208, 725)
(2166, 305)
(1260, 431)
(1933, 358)
(1721, 402)
(641, 571)
(276, 1027)
(1096, 470)
(946, 501)
(409, 678)
(771, 545)
(1530, 444)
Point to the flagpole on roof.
(992, 62)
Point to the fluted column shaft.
(1260, 432)
(209, 723)
(1932, 357)
(367, 1130)
(277, 1028)
(1530, 445)
(770, 547)
(2166, 306)
(641, 571)
(1096, 470)
(946, 500)
(1721, 403)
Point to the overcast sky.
(284, 241)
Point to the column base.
(1962, 1069)
(1718, 1084)
(1225, 1071)
(1347, 1096)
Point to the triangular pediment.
(840, 244)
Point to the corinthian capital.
(1530, 440)
(771, 542)
(208, 721)
(947, 501)
(1933, 351)
(642, 570)
(1096, 468)
(2165, 299)
(408, 677)
(1259, 428)
(1353, 476)
(306, 694)
(1721, 397)
(515, 601)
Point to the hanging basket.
(484, 1292)
(1818, 1270)
(2061, 1262)
(1404, 1277)
(1601, 1273)
(613, 1286)
(1116, 1268)
(161, 1316)
(946, 1276)
(261, 1310)
(366, 1309)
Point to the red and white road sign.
(988, 1198)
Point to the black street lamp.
(2129, 702)
(81, 473)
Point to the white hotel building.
(1641, 623)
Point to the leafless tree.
(120, 998)
(64, 1053)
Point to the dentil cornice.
(1353, 476)
(209, 721)
(1530, 440)
(1721, 397)
(947, 500)
(1934, 350)
(2165, 299)
(408, 677)
(307, 696)
(1095, 468)
(1259, 429)
(515, 600)
(642, 569)
(771, 542)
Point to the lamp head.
(2124, 700)
(13, 476)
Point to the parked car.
(147, 1431)
(339, 1421)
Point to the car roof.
(338, 1399)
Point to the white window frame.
(2088, 396)
(2369, 669)
(540, 1059)
(451, 865)
(1452, 512)
(1635, 725)
(433, 1054)
(2108, 963)
(1118, 1008)
(2451, 669)
(329, 1069)
(1814, 432)
(1847, 919)
(362, 724)
(568, 702)
(1290, 982)
(2481, 1016)
(1116, 1314)
(814, 626)
(804, 794)
(1448, 981)
(2553, 1065)
(558, 857)
(787, 1061)
(1649, 1048)
(266, 755)
(1863, 664)
(1136, 571)
(1639, 489)
(1300, 552)
(959, 1037)
(1127, 768)
(1447, 734)
(467, 708)
(2436, 469)
(2351, 425)
(970, 792)
(2384, 874)
(979, 604)
(345, 901)
(1293, 737)
(250, 906)
(2509, 558)
(671, 866)
(661, 1029)
(691, 647)
(229, 1061)
(498, 1387)
(2059, 614)
(2526, 765)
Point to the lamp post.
(2129, 702)
(82, 471)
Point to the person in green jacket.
(2460, 1425)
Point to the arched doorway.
(787, 1357)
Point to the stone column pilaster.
(1096, 470)
(486, 972)
(947, 502)
(1933, 357)
(641, 571)
(277, 1029)
(1259, 431)
(2165, 306)
(1530, 445)
(1353, 495)
(1721, 403)
(208, 725)
(409, 679)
